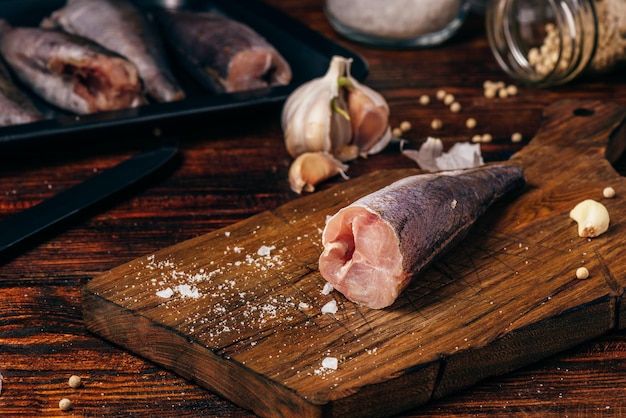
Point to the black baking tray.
(308, 53)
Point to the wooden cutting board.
(245, 318)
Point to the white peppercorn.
(582, 273)
(74, 381)
(608, 192)
(65, 404)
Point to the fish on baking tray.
(70, 72)
(15, 106)
(376, 245)
(99, 55)
(224, 55)
(121, 27)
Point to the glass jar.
(397, 23)
(551, 42)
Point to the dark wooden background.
(229, 168)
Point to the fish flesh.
(15, 107)
(72, 73)
(119, 26)
(376, 245)
(222, 54)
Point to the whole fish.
(120, 27)
(222, 54)
(70, 72)
(15, 106)
(376, 245)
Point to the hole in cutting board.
(581, 111)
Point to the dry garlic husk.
(311, 168)
(336, 114)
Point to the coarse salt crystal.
(327, 288)
(330, 307)
(187, 291)
(165, 293)
(330, 363)
(303, 305)
(264, 250)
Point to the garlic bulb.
(311, 168)
(314, 116)
(336, 114)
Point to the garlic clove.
(369, 114)
(592, 218)
(311, 168)
(369, 122)
(314, 117)
(340, 127)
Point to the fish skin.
(425, 214)
(15, 107)
(222, 54)
(120, 27)
(70, 72)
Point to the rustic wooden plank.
(244, 315)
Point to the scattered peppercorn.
(448, 99)
(516, 137)
(470, 123)
(582, 273)
(455, 107)
(424, 99)
(405, 126)
(441, 94)
(74, 381)
(436, 124)
(490, 93)
(65, 404)
(396, 132)
(608, 192)
(511, 90)
(486, 138)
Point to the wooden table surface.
(229, 168)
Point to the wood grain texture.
(233, 167)
(507, 296)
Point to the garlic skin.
(311, 168)
(336, 114)
(592, 218)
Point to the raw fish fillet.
(222, 54)
(376, 245)
(70, 72)
(120, 27)
(15, 107)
